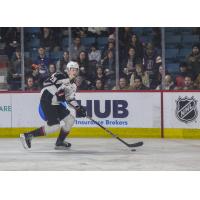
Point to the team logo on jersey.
(186, 109)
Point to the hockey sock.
(63, 134)
(36, 133)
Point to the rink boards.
(129, 114)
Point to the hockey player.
(57, 88)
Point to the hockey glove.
(60, 95)
(80, 111)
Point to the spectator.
(30, 85)
(109, 47)
(36, 75)
(99, 84)
(109, 66)
(83, 63)
(136, 44)
(76, 48)
(99, 74)
(14, 72)
(125, 35)
(12, 39)
(51, 69)
(137, 84)
(42, 63)
(180, 78)
(109, 63)
(94, 54)
(111, 38)
(140, 72)
(123, 84)
(188, 84)
(197, 82)
(168, 84)
(94, 59)
(158, 77)
(82, 84)
(193, 60)
(151, 62)
(62, 63)
(42, 59)
(130, 62)
(46, 39)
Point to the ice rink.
(100, 154)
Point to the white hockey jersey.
(48, 93)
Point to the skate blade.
(22, 139)
(61, 148)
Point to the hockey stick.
(136, 144)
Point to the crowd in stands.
(140, 63)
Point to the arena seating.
(178, 43)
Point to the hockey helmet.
(72, 64)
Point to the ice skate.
(26, 140)
(62, 145)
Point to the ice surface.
(100, 154)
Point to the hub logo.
(186, 109)
(111, 108)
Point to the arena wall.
(152, 114)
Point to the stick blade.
(137, 144)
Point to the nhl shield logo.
(186, 109)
